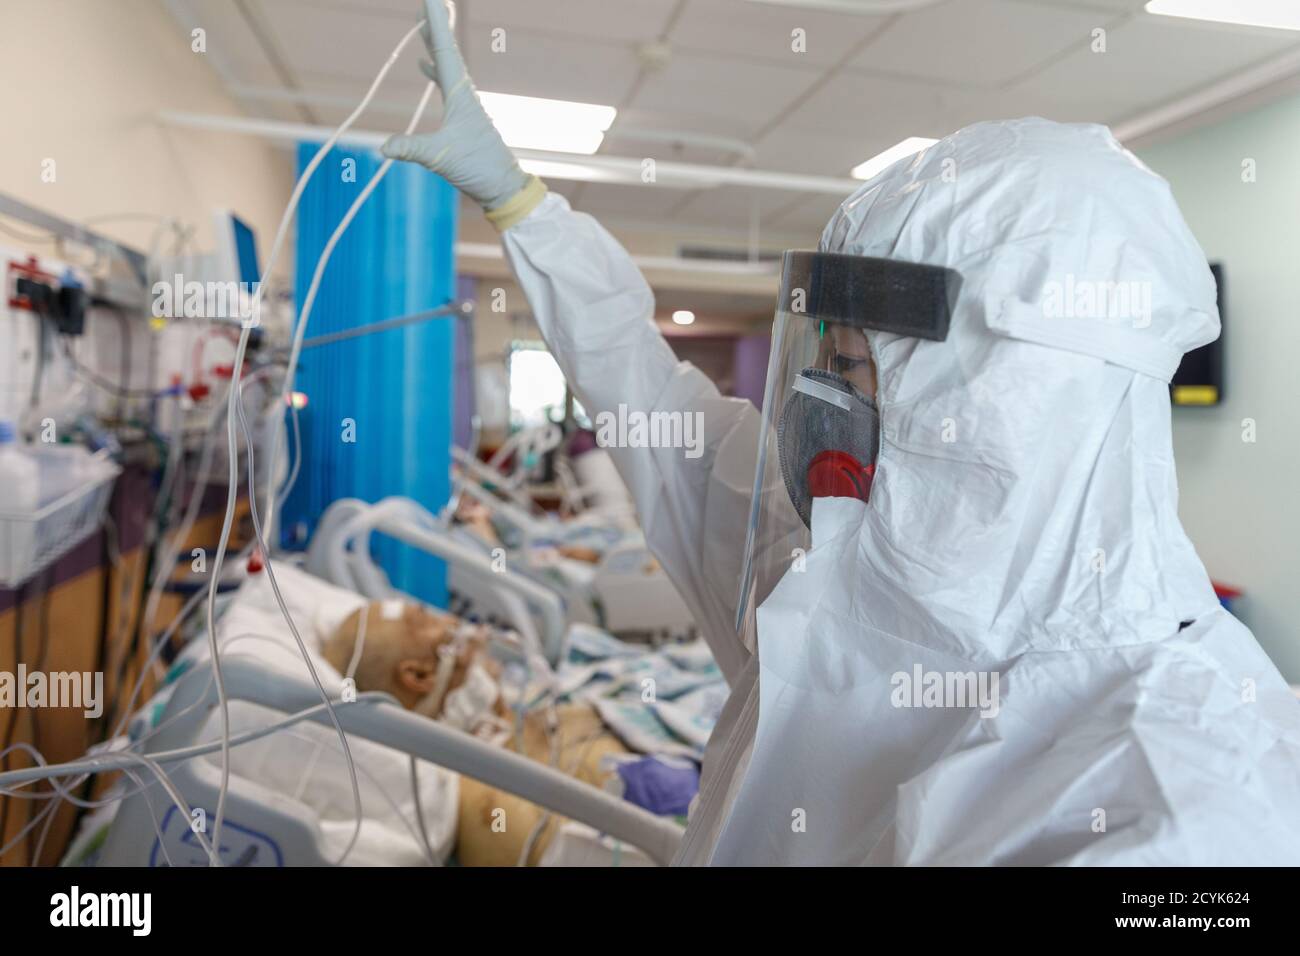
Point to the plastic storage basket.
(76, 488)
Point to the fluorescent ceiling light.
(683, 317)
(529, 122)
(913, 144)
(577, 172)
(1278, 14)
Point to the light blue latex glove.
(467, 150)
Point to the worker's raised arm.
(686, 452)
(596, 313)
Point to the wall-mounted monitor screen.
(1199, 379)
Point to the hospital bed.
(340, 553)
(290, 801)
(589, 486)
(625, 592)
(283, 804)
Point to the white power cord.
(235, 419)
(233, 411)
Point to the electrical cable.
(293, 628)
(114, 660)
(309, 300)
(237, 366)
(48, 810)
(163, 567)
(152, 537)
(94, 379)
(297, 457)
(124, 356)
(38, 373)
(165, 637)
(120, 759)
(420, 834)
(125, 602)
(235, 410)
(180, 617)
(62, 793)
(34, 857)
(168, 564)
(126, 709)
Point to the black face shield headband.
(820, 429)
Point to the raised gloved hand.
(467, 150)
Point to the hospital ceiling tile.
(732, 206)
(1139, 69)
(399, 94)
(731, 79)
(277, 111)
(818, 154)
(600, 20)
(669, 152)
(1105, 6)
(615, 200)
(727, 134)
(807, 215)
(408, 10)
(232, 43)
(765, 31)
(373, 121)
(340, 41)
(884, 109)
(552, 67)
(742, 92)
(976, 42)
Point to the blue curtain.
(394, 388)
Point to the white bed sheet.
(307, 763)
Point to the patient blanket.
(658, 701)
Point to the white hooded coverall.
(1022, 522)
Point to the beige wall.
(83, 81)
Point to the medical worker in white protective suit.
(1020, 539)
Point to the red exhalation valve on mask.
(837, 474)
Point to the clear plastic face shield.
(820, 431)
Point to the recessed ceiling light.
(530, 122)
(683, 317)
(1278, 14)
(913, 144)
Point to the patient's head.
(420, 656)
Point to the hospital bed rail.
(384, 723)
(340, 554)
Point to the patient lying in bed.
(433, 663)
(437, 665)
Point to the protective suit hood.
(1021, 537)
(1011, 653)
(1025, 496)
